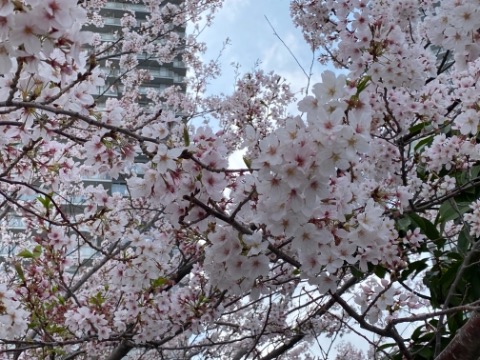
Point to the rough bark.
(466, 344)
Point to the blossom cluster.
(379, 298)
(39, 31)
(13, 317)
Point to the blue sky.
(252, 40)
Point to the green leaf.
(432, 281)
(37, 251)
(417, 332)
(475, 288)
(416, 129)
(363, 83)
(474, 171)
(404, 223)
(422, 172)
(454, 256)
(159, 282)
(380, 271)
(97, 300)
(45, 201)
(26, 254)
(56, 329)
(19, 270)
(247, 162)
(203, 299)
(426, 226)
(448, 277)
(356, 272)
(386, 346)
(463, 243)
(415, 267)
(448, 212)
(426, 337)
(425, 352)
(423, 143)
(471, 283)
(455, 322)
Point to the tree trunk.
(466, 344)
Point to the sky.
(252, 39)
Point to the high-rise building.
(163, 75)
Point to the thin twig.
(289, 50)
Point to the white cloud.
(232, 10)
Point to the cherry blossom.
(127, 231)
